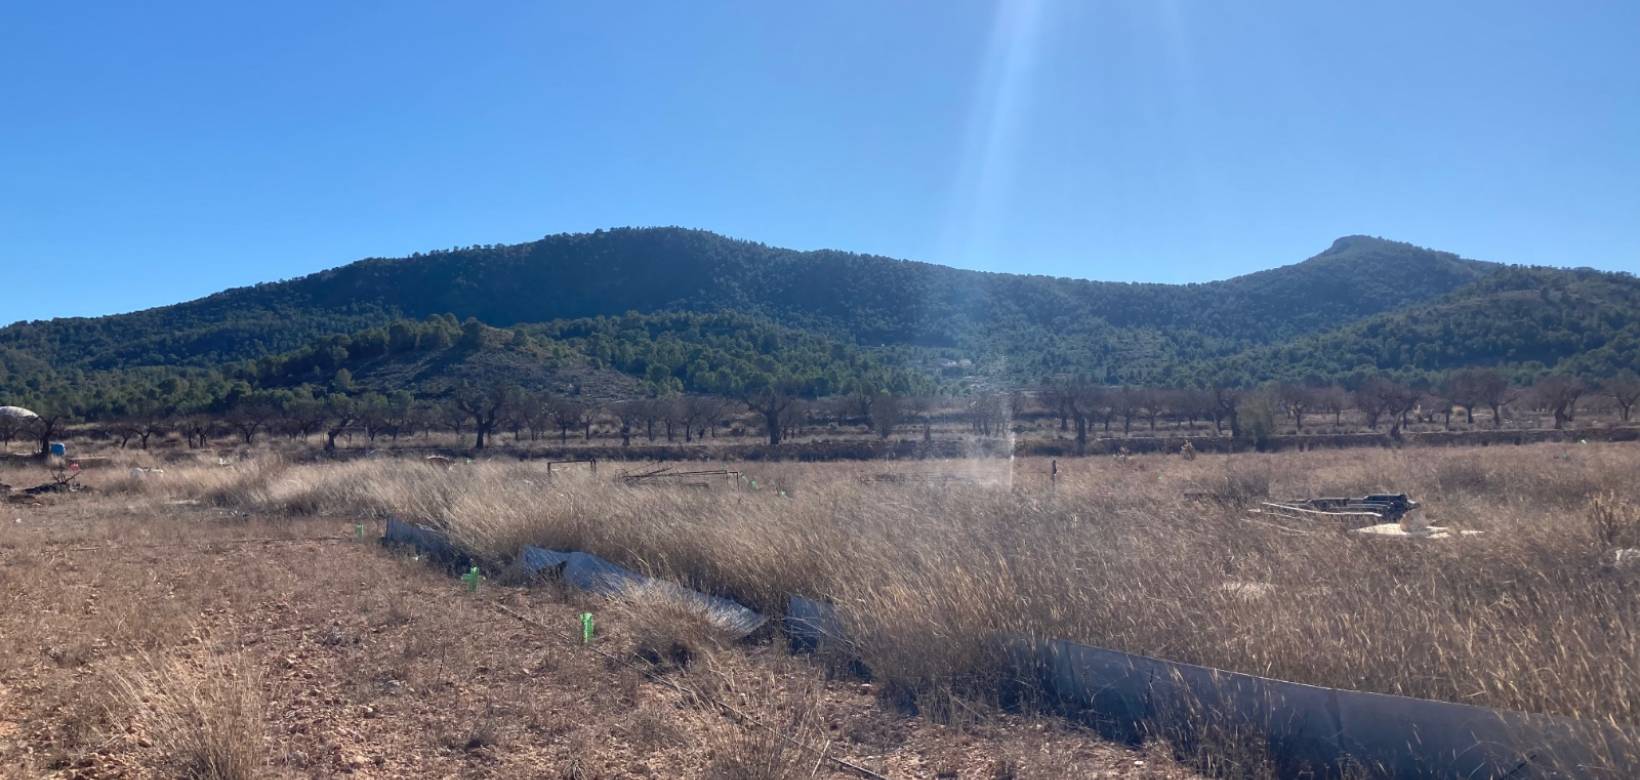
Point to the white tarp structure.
(17, 412)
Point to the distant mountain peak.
(1371, 254)
(1353, 240)
(1359, 241)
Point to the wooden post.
(1053, 476)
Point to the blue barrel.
(59, 449)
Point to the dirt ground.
(332, 655)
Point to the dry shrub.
(1198, 736)
(782, 745)
(233, 486)
(1244, 483)
(664, 629)
(208, 720)
(474, 731)
(1462, 475)
(582, 747)
(431, 659)
(88, 715)
(394, 610)
(1023, 762)
(144, 618)
(652, 729)
(75, 651)
(1615, 522)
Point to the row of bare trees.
(483, 410)
(1378, 399)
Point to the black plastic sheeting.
(810, 623)
(428, 541)
(583, 570)
(1307, 730)
(1315, 731)
(1414, 736)
(592, 573)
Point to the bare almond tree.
(925, 407)
(885, 412)
(10, 428)
(698, 413)
(1472, 387)
(1125, 403)
(1057, 399)
(52, 419)
(771, 399)
(485, 405)
(1088, 402)
(1333, 400)
(1296, 399)
(1379, 397)
(1226, 408)
(629, 415)
(567, 414)
(1625, 390)
(1150, 403)
(1560, 393)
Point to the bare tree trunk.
(771, 421)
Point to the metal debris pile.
(1380, 507)
(699, 478)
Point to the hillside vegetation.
(665, 310)
(1533, 317)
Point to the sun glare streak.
(996, 118)
(1184, 101)
(996, 115)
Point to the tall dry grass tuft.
(1615, 523)
(666, 630)
(783, 745)
(207, 719)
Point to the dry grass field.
(145, 635)
(1154, 555)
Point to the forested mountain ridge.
(687, 310)
(1583, 321)
(866, 299)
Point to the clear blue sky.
(154, 152)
